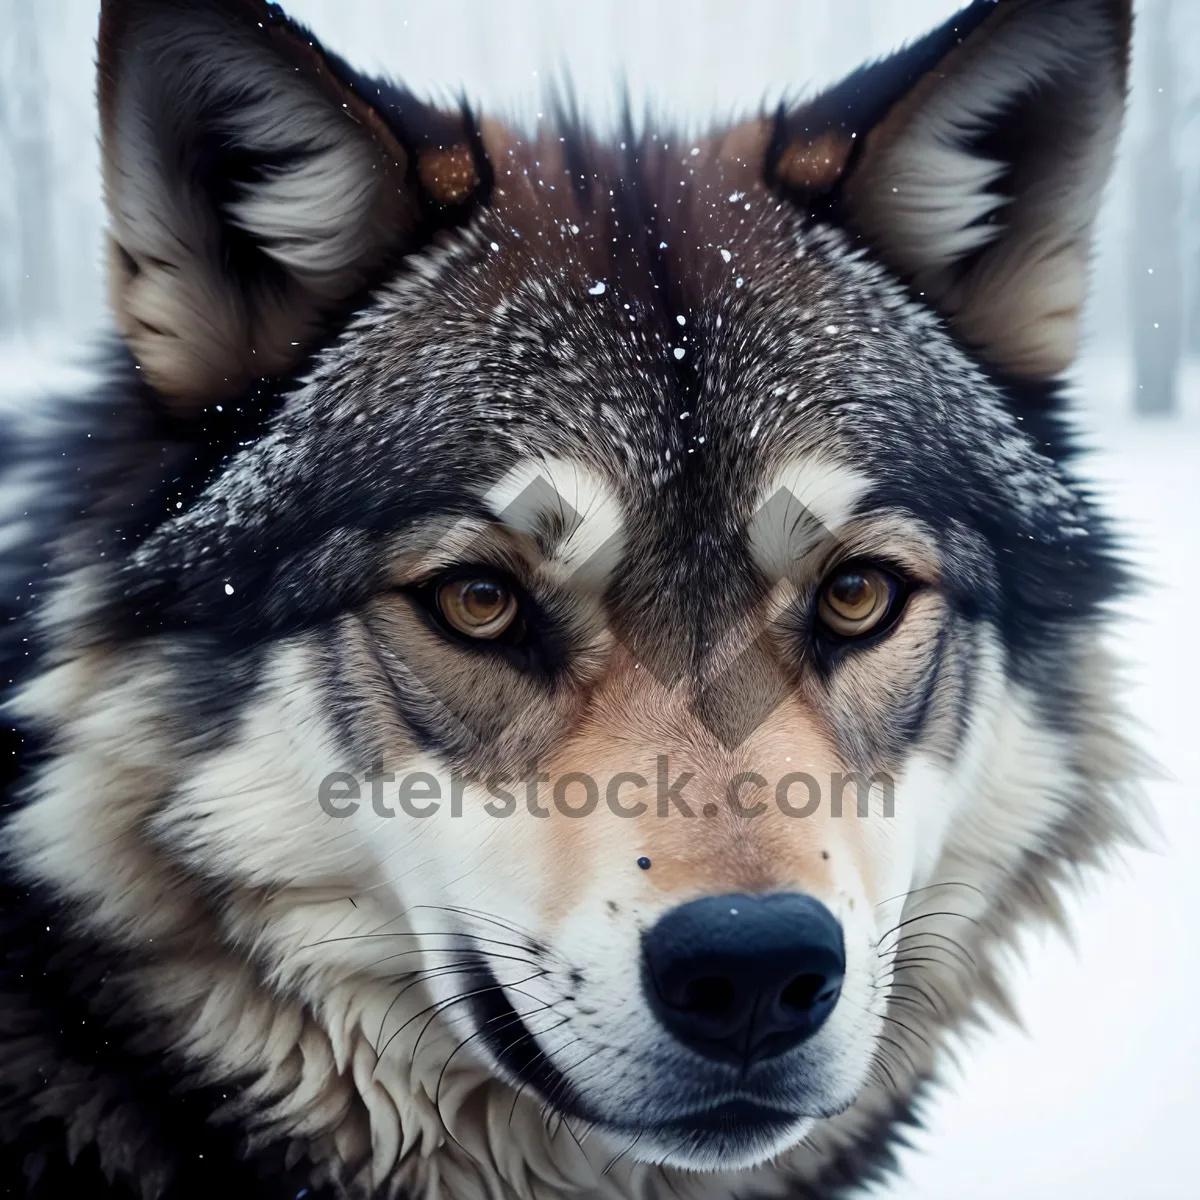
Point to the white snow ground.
(1098, 1097)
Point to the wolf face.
(570, 661)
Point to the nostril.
(807, 991)
(709, 996)
(804, 991)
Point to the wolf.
(550, 664)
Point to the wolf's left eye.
(477, 607)
(857, 600)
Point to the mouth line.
(513, 1045)
(738, 1117)
(515, 1048)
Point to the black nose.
(743, 978)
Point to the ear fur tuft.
(251, 189)
(978, 163)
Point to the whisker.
(419, 977)
(943, 942)
(925, 917)
(491, 954)
(929, 888)
(356, 937)
(877, 1063)
(439, 1005)
(902, 1050)
(617, 1158)
(479, 915)
(909, 961)
(564, 1082)
(467, 996)
(914, 988)
(509, 1019)
(907, 1029)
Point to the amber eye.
(856, 600)
(479, 608)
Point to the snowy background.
(1098, 1096)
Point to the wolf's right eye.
(478, 607)
(857, 600)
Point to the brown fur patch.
(814, 165)
(448, 173)
(703, 845)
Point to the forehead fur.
(685, 339)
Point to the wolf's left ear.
(253, 186)
(974, 161)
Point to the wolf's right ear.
(253, 189)
(973, 163)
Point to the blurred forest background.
(689, 58)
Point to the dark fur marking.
(76, 1045)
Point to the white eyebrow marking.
(801, 505)
(569, 510)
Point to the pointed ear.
(253, 189)
(974, 162)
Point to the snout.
(739, 978)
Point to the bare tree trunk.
(32, 166)
(1189, 127)
(8, 244)
(8, 231)
(1156, 249)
